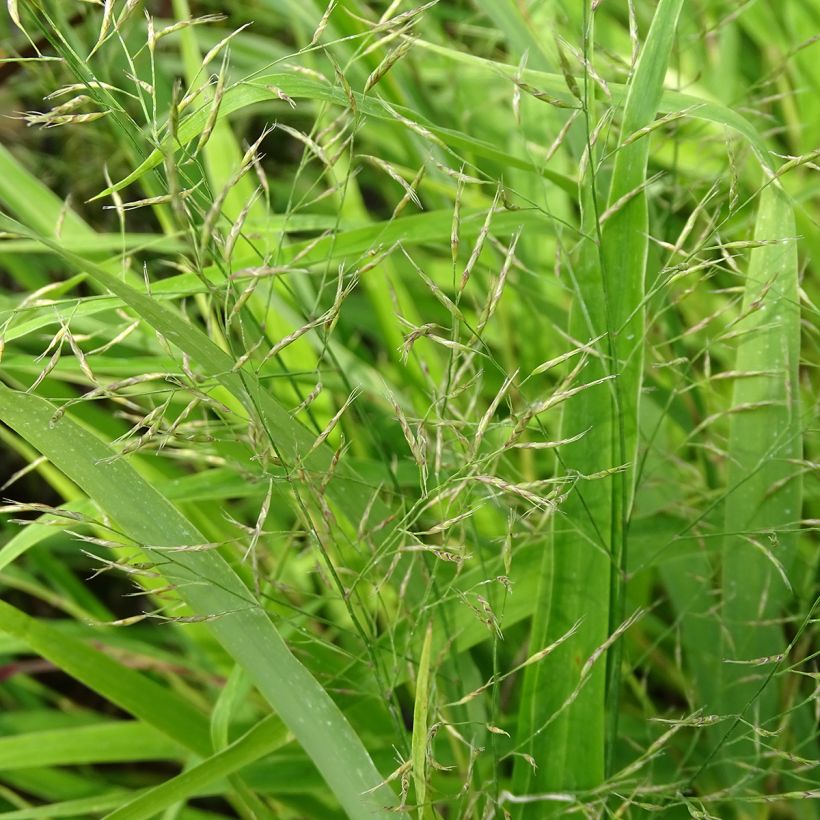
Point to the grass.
(409, 409)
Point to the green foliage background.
(409, 409)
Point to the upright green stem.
(569, 700)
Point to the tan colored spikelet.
(549, 445)
(593, 139)
(459, 176)
(559, 139)
(213, 114)
(151, 32)
(516, 99)
(323, 23)
(340, 76)
(587, 348)
(484, 423)
(36, 118)
(389, 37)
(260, 521)
(454, 230)
(74, 88)
(80, 356)
(660, 122)
(415, 127)
(314, 147)
(105, 25)
(543, 96)
(52, 363)
(240, 303)
(121, 336)
(627, 197)
(442, 297)
(415, 442)
(326, 317)
(406, 16)
(73, 119)
(128, 10)
(181, 24)
(236, 228)
(24, 471)
(569, 78)
(411, 338)
(252, 153)
(307, 72)
(589, 68)
(213, 214)
(14, 13)
(394, 175)
(446, 525)
(479, 243)
(153, 200)
(412, 190)
(108, 390)
(192, 95)
(64, 210)
(208, 58)
(308, 400)
(173, 118)
(331, 425)
(140, 83)
(633, 33)
(498, 289)
(279, 94)
(387, 63)
(599, 651)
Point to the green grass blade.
(564, 704)
(764, 487)
(102, 743)
(263, 739)
(421, 711)
(134, 692)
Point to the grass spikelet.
(323, 23)
(213, 113)
(390, 59)
(543, 96)
(394, 175)
(105, 26)
(479, 244)
(211, 55)
(308, 142)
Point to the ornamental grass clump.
(408, 409)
